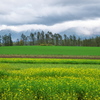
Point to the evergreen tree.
(10, 40)
(0, 40)
(32, 38)
(23, 39)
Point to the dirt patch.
(51, 56)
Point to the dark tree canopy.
(49, 38)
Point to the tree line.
(46, 39)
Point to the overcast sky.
(53, 15)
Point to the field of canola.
(49, 61)
(29, 81)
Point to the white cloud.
(86, 27)
(19, 12)
(53, 15)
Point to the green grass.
(50, 50)
(49, 81)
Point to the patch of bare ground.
(50, 56)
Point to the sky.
(54, 15)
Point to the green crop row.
(49, 61)
(50, 50)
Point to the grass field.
(50, 50)
(19, 81)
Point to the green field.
(49, 79)
(50, 50)
(19, 81)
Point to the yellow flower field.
(21, 81)
(49, 61)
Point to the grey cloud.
(47, 12)
(78, 13)
(75, 2)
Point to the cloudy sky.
(53, 15)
